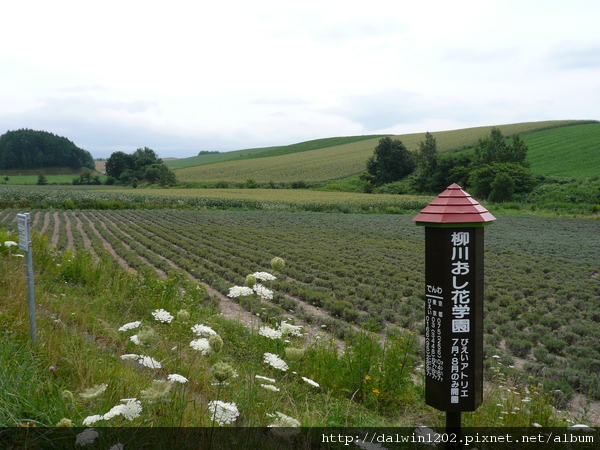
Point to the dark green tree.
(118, 163)
(426, 160)
(502, 188)
(390, 162)
(483, 180)
(160, 174)
(42, 180)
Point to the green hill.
(326, 162)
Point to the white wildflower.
(147, 361)
(260, 377)
(201, 345)
(114, 412)
(177, 378)
(90, 420)
(132, 409)
(86, 437)
(10, 243)
(203, 330)
(288, 328)
(311, 382)
(135, 339)
(270, 333)
(270, 387)
(94, 392)
(239, 291)
(162, 316)
(130, 357)
(263, 292)
(281, 420)
(275, 361)
(264, 276)
(223, 413)
(130, 326)
(118, 446)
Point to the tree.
(390, 162)
(487, 178)
(42, 180)
(118, 163)
(494, 149)
(160, 174)
(426, 160)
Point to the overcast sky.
(183, 76)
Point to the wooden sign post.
(454, 302)
(23, 226)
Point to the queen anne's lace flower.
(130, 326)
(270, 333)
(177, 378)
(223, 413)
(203, 330)
(130, 357)
(311, 382)
(281, 420)
(239, 291)
(90, 420)
(264, 276)
(275, 361)
(135, 339)
(260, 377)
(93, 392)
(201, 345)
(263, 292)
(132, 409)
(162, 316)
(10, 243)
(147, 361)
(86, 437)
(288, 328)
(270, 387)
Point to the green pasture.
(336, 162)
(32, 179)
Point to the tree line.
(496, 171)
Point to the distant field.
(565, 152)
(32, 179)
(287, 196)
(340, 161)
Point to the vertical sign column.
(454, 318)
(23, 226)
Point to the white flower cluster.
(258, 289)
(270, 387)
(260, 377)
(94, 392)
(270, 333)
(288, 328)
(130, 326)
(222, 412)
(281, 420)
(177, 378)
(264, 276)
(263, 292)
(147, 361)
(311, 382)
(283, 329)
(201, 345)
(275, 361)
(130, 409)
(203, 330)
(239, 291)
(162, 316)
(10, 243)
(86, 437)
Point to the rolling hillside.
(345, 160)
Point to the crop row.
(542, 298)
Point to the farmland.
(335, 162)
(541, 290)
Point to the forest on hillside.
(29, 149)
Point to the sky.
(184, 76)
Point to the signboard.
(454, 318)
(23, 227)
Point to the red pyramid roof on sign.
(454, 206)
